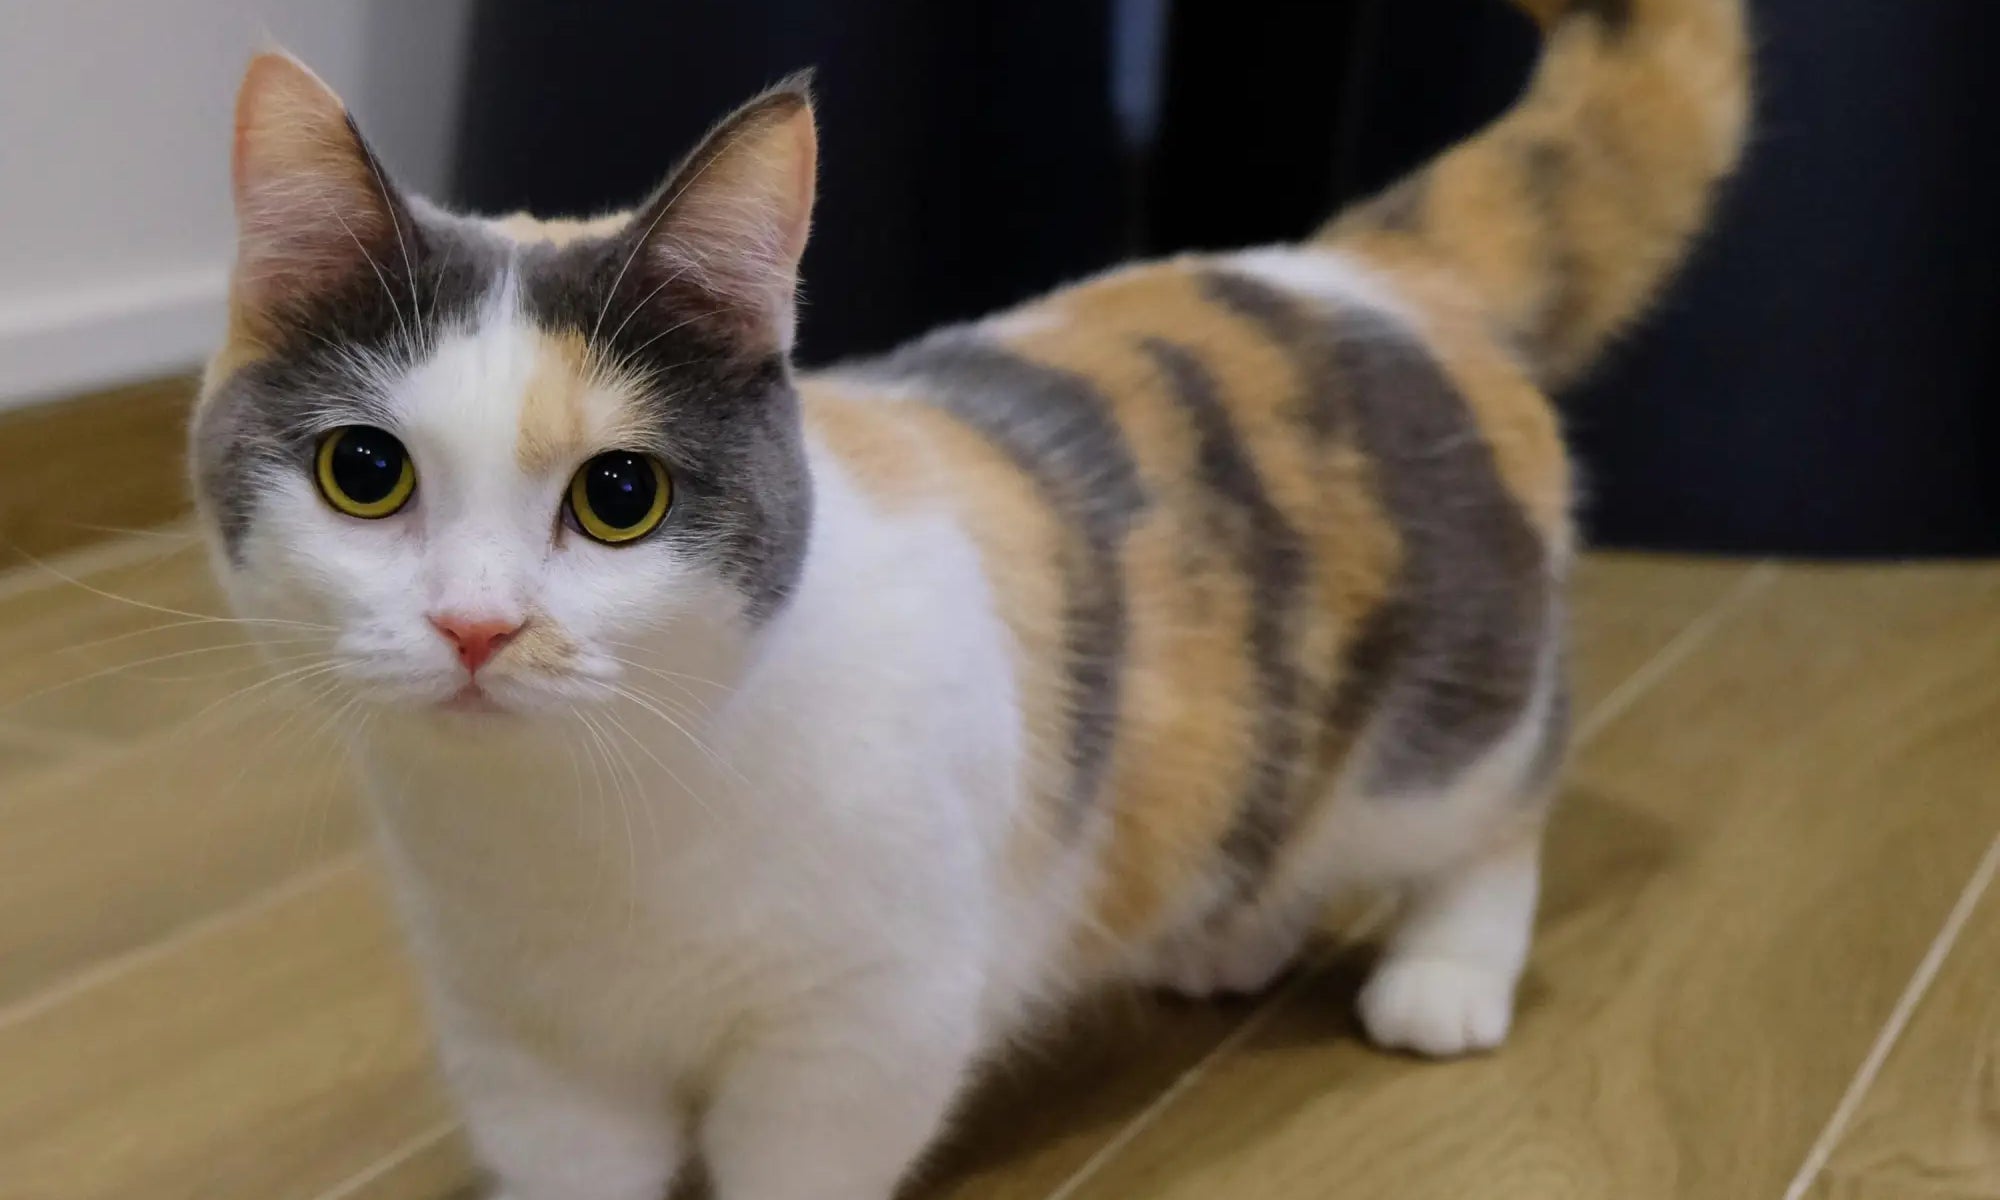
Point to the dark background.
(1821, 381)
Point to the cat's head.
(445, 451)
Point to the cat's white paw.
(1437, 1007)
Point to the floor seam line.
(32, 574)
(1663, 662)
(408, 1150)
(100, 973)
(1660, 664)
(1186, 1080)
(1897, 1023)
(115, 750)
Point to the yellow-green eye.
(620, 496)
(364, 472)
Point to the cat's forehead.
(506, 391)
(502, 367)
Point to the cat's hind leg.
(1446, 980)
(1452, 961)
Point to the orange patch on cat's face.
(560, 231)
(542, 647)
(554, 423)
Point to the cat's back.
(1237, 511)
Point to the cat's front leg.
(841, 1108)
(549, 1131)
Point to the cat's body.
(1096, 643)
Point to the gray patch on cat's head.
(331, 354)
(723, 415)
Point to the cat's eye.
(364, 472)
(620, 496)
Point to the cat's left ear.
(313, 208)
(732, 219)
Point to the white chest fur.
(639, 883)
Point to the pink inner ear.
(805, 181)
(308, 202)
(738, 222)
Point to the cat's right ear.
(732, 219)
(313, 208)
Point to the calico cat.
(755, 754)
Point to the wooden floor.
(1767, 964)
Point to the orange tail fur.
(1565, 216)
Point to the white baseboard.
(105, 336)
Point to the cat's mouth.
(472, 699)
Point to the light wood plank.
(1932, 1118)
(21, 755)
(71, 467)
(1746, 869)
(105, 854)
(1841, 1188)
(1627, 608)
(429, 1167)
(76, 660)
(273, 1059)
(1046, 1111)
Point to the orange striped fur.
(1513, 258)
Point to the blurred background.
(1819, 383)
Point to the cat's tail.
(1565, 216)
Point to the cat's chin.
(469, 708)
(474, 701)
(466, 705)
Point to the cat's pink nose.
(476, 639)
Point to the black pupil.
(367, 464)
(621, 489)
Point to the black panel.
(968, 153)
(1820, 381)
(1824, 379)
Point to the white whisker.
(700, 800)
(112, 639)
(647, 236)
(647, 703)
(624, 811)
(388, 292)
(643, 302)
(396, 224)
(159, 608)
(677, 327)
(638, 783)
(294, 675)
(119, 669)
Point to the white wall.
(115, 233)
